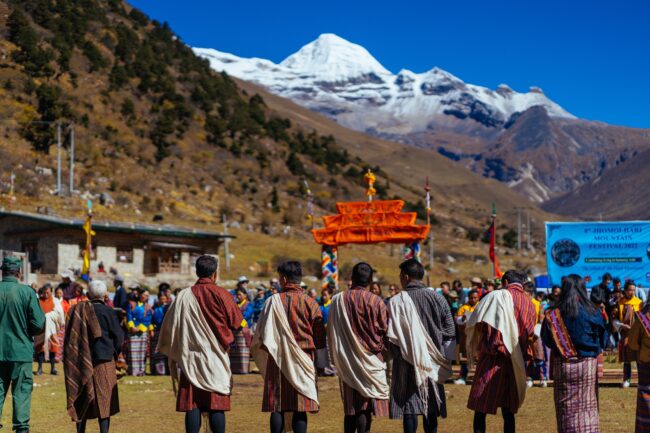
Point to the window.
(169, 261)
(124, 254)
(93, 251)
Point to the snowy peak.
(345, 82)
(332, 58)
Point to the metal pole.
(58, 158)
(519, 229)
(71, 159)
(226, 250)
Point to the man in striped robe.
(494, 382)
(407, 401)
(222, 316)
(301, 324)
(367, 320)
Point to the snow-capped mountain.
(522, 139)
(344, 81)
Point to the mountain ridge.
(522, 139)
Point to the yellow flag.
(87, 227)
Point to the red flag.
(493, 254)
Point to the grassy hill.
(160, 135)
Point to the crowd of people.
(393, 355)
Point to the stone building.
(55, 244)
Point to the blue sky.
(591, 57)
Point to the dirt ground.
(148, 405)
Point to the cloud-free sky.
(592, 57)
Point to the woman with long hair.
(575, 331)
(639, 341)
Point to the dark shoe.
(54, 372)
(39, 372)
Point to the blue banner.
(590, 249)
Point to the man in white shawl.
(289, 331)
(195, 335)
(498, 334)
(420, 326)
(356, 330)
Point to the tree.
(34, 59)
(294, 165)
(97, 61)
(275, 201)
(510, 238)
(127, 109)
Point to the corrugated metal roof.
(108, 226)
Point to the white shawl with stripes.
(273, 337)
(357, 367)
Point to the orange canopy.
(369, 223)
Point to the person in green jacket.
(21, 318)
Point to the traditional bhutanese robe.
(576, 343)
(494, 379)
(306, 322)
(223, 317)
(138, 316)
(368, 317)
(240, 349)
(61, 334)
(54, 322)
(436, 317)
(626, 310)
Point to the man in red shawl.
(195, 335)
(498, 333)
(357, 327)
(289, 332)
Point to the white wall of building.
(69, 258)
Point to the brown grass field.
(148, 405)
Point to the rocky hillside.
(161, 136)
(156, 130)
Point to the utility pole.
(58, 158)
(226, 242)
(71, 159)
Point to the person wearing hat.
(476, 283)
(242, 283)
(21, 318)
